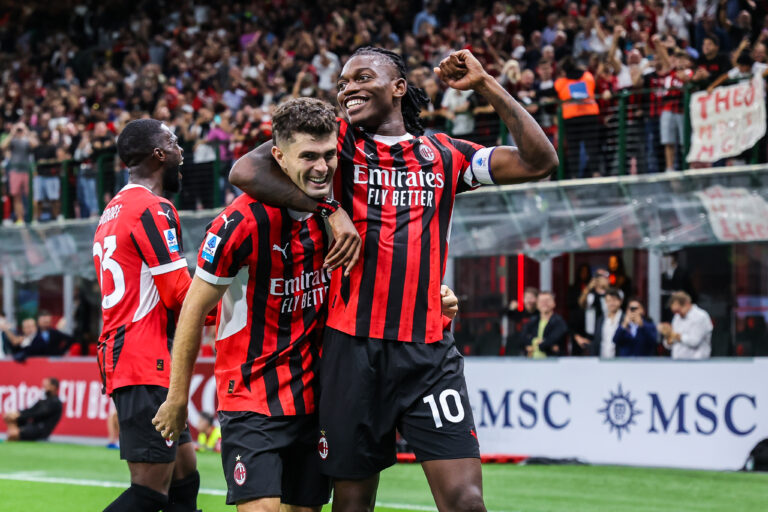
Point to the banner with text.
(728, 121)
(85, 408)
(706, 415)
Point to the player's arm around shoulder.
(534, 158)
(201, 298)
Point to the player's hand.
(461, 70)
(346, 246)
(449, 302)
(170, 420)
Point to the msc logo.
(620, 411)
(683, 413)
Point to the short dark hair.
(54, 382)
(302, 115)
(615, 292)
(712, 37)
(745, 59)
(547, 292)
(138, 140)
(531, 289)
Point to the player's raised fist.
(461, 70)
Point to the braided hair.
(415, 98)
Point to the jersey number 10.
(447, 413)
(113, 267)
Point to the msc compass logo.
(620, 411)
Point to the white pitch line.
(34, 476)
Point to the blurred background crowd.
(74, 72)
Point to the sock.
(184, 492)
(138, 497)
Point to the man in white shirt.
(690, 335)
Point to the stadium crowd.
(75, 72)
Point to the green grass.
(507, 488)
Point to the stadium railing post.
(686, 126)
(65, 192)
(216, 170)
(100, 182)
(560, 136)
(622, 164)
(31, 195)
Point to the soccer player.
(387, 362)
(143, 277)
(266, 264)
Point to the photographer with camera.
(20, 146)
(637, 334)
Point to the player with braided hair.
(389, 363)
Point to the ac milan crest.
(240, 473)
(322, 446)
(168, 443)
(426, 152)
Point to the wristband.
(327, 207)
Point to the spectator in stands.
(87, 199)
(458, 107)
(637, 335)
(102, 154)
(20, 145)
(47, 341)
(47, 181)
(711, 63)
(603, 344)
(545, 334)
(209, 435)
(434, 115)
(673, 278)
(517, 318)
(38, 421)
(580, 115)
(13, 342)
(671, 120)
(690, 334)
(592, 304)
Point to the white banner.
(703, 414)
(736, 214)
(728, 121)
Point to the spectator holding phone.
(637, 335)
(690, 334)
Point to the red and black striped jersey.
(138, 237)
(400, 195)
(270, 319)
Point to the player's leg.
(355, 495)
(185, 483)
(253, 468)
(439, 425)
(150, 458)
(305, 488)
(456, 484)
(358, 412)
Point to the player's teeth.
(354, 103)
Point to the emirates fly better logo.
(620, 411)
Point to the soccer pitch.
(69, 478)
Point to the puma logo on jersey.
(226, 220)
(276, 247)
(372, 155)
(167, 214)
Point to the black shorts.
(33, 432)
(370, 388)
(272, 456)
(139, 441)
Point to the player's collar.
(135, 185)
(391, 140)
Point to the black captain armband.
(326, 207)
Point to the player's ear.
(400, 87)
(159, 154)
(278, 154)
